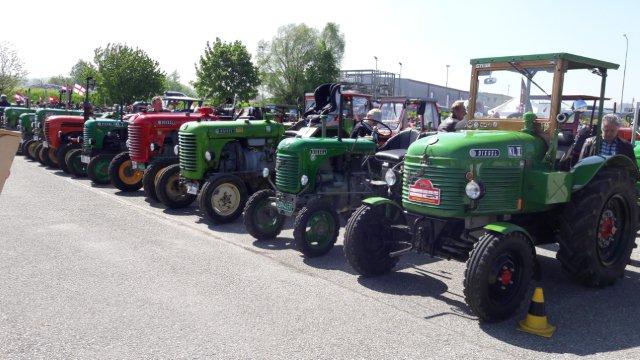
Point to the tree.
(299, 58)
(173, 83)
(61, 80)
(126, 74)
(81, 70)
(224, 71)
(11, 68)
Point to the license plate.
(286, 204)
(192, 187)
(36, 138)
(45, 144)
(85, 159)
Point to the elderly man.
(373, 117)
(455, 121)
(611, 144)
(156, 104)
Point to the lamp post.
(376, 59)
(446, 85)
(624, 72)
(400, 79)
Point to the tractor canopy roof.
(575, 61)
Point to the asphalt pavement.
(91, 272)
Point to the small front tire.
(122, 175)
(316, 228)
(170, 191)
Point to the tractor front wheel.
(597, 229)
(122, 175)
(223, 198)
(36, 152)
(316, 228)
(170, 191)
(31, 147)
(261, 218)
(73, 162)
(367, 241)
(98, 169)
(61, 155)
(498, 274)
(50, 157)
(150, 176)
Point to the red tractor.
(62, 133)
(152, 144)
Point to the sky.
(424, 36)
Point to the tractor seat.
(393, 155)
(401, 140)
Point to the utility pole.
(400, 80)
(446, 85)
(624, 72)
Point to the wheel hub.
(607, 229)
(505, 277)
(225, 199)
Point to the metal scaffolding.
(376, 83)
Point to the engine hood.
(479, 145)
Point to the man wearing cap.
(373, 117)
(455, 121)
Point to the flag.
(78, 89)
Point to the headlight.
(207, 155)
(304, 179)
(474, 190)
(390, 177)
(152, 146)
(176, 149)
(265, 172)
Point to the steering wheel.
(370, 128)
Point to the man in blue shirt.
(611, 144)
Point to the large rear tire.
(170, 190)
(74, 163)
(316, 228)
(597, 229)
(366, 244)
(261, 218)
(498, 274)
(223, 198)
(122, 175)
(61, 156)
(150, 176)
(98, 169)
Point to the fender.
(378, 200)
(506, 228)
(588, 167)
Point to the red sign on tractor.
(422, 191)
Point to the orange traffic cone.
(536, 320)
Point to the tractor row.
(486, 195)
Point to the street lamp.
(400, 79)
(624, 72)
(376, 58)
(446, 85)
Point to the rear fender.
(588, 167)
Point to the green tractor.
(26, 120)
(319, 178)
(102, 140)
(489, 194)
(12, 114)
(220, 164)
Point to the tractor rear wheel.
(170, 191)
(150, 176)
(316, 228)
(98, 169)
(38, 153)
(223, 198)
(366, 244)
(73, 162)
(122, 175)
(41, 154)
(31, 147)
(61, 155)
(261, 218)
(498, 274)
(597, 229)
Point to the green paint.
(575, 61)
(505, 228)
